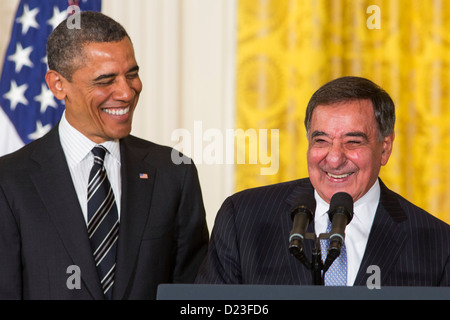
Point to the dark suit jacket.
(162, 237)
(250, 239)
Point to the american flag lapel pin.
(143, 176)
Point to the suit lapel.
(386, 239)
(55, 187)
(134, 212)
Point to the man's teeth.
(117, 112)
(340, 176)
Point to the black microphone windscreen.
(304, 200)
(342, 199)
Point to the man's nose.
(123, 90)
(336, 155)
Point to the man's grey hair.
(65, 45)
(355, 88)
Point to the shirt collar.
(364, 208)
(77, 146)
(321, 206)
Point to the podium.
(283, 292)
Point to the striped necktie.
(336, 275)
(103, 221)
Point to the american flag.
(143, 175)
(28, 109)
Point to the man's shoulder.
(136, 142)
(273, 192)
(286, 185)
(415, 215)
(153, 148)
(22, 156)
(154, 151)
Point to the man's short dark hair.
(65, 45)
(355, 88)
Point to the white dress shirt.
(357, 231)
(77, 149)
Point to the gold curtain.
(287, 49)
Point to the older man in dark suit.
(350, 127)
(88, 211)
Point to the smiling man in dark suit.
(122, 218)
(350, 127)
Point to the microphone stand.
(316, 264)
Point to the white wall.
(186, 50)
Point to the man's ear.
(388, 142)
(55, 83)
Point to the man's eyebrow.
(318, 134)
(104, 76)
(112, 75)
(133, 69)
(357, 134)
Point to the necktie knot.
(99, 154)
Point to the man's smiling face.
(104, 91)
(345, 153)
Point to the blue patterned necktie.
(103, 221)
(337, 273)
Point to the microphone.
(340, 214)
(302, 213)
